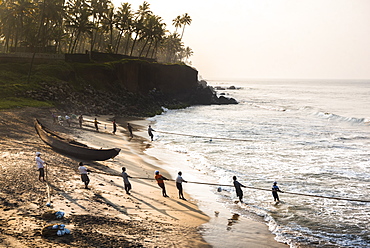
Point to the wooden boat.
(72, 147)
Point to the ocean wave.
(267, 105)
(354, 120)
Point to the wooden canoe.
(72, 147)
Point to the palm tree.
(78, 21)
(186, 54)
(171, 47)
(185, 20)
(108, 23)
(123, 20)
(177, 22)
(153, 26)
(7, 23)
(51, 21)
(158, 35)
(138, 24)
(99, 10)
(23, 13)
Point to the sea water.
(311, 137)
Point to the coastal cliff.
(124, 87)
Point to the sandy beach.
(104, 215)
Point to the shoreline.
(251, 230)
(96, 216)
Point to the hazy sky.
(246, 39)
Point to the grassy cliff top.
(84, 87)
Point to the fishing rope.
(293, 193)
(212, 184)
(47, 184)
(216, 184)
(206, 137)
(249, 187)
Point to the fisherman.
(80, 120)
(83, 172)
(129, 127)
(40, 166)
(96, 124)
(60, 120)
(114, 126)
(55, 118)
(68, 120)
(126, 182)
(238, 190)
(160, 180)
(275, 190)
(150, 132)
(179, 181)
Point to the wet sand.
(104, 215)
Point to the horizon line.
(276, 79)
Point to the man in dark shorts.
(40, 166)
(275, 190)
(114, 126)
(80, 120)
(96, 124)
(160, 182)
(179, 181)
(129, 127)
(238, 190)
(126, 182)
(84, 177)
(150, 132)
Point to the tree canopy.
(78, 26)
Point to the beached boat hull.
(73, 148)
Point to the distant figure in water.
(83, 172)
(179, 181)
(80, 120)
(239, 191)
(129, 127)
(160, 180)
(275, 190)
(150, 132)
(126, 182)
(40, 166)
(96, 125)
(114, 126)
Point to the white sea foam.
(310, 136)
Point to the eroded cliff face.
(125, 87)
(178, 81)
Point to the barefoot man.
(40, 166)
(83, 172)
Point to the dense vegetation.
(13, 82)
(77, 26)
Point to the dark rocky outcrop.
(126, 87)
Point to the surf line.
(206, 137)
(249, 187)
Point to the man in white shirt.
(40, 166)
(68, 120)
(179, 181)
(83, 172)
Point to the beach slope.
(104, 216)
